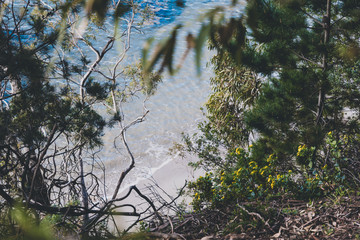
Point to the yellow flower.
(238, 151)
(278, 177)
(263, 170)
(300, 149)
(238, 171)
(253, 172)
(329, 133)
(289, 171)
(250, 146)
(252, 163)
(324, 167)
(270, 158)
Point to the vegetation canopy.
(283, 114)
(282, 118)
(55, 101)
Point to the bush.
(251, 179)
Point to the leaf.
(121, 9)
(190, 41)
(145, 55)
(163, 49)
(311, 164)
(349, 52)
(202, 37)
(99, 7)
(232, 37)
(169, 51)
(159, 50)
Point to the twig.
(171, 224)
(254, 214)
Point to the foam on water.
(175, 108)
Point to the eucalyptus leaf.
(199, 44)
(99, 7)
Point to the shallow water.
(175, 107)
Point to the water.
(175, 108)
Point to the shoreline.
(168, 178)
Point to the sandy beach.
(169, 178)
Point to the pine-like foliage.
(307, 55)
(287, 84)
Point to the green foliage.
(164, 50)
(53, 89)
(250, 179)
(284, 87)
(101, 7)
(271, 93)
(24, 224)
(296, 62)
(144, 227)
(97, 90)
(234, 90)
(139, 82)
(246, 181)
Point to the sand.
(169, 178)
